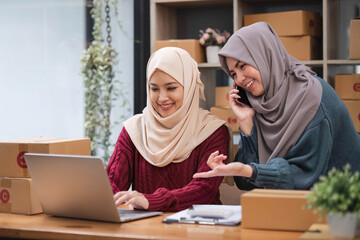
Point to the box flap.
(277, 193)
(44, 140)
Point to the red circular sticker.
(20, 160)
(356, 87)
(4, 196)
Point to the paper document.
(207, 214)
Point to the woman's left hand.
(218, 168)
(132, 198)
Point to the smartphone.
(243, 98)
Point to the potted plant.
(337, 195)
(213, 40)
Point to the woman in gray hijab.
(296, 127)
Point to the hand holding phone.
(243, 98)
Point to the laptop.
(77, 187)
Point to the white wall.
(41, 90)
(123, 42)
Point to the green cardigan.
(330, 140)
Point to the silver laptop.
(76, 187)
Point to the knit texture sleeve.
(247, 154)
(198, 190)
(121, 165)
(302, 165)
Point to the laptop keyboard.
(127, 214)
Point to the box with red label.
(291, 23)
(354, 110)
(355, 39)
(347, 86)
(302, 48)
(227, 115)
(276, 210)
(12, 163)
(192, 46)
(222, 96)
(17, 195)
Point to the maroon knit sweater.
(169, 188)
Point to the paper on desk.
(184, 217)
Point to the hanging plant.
(97, 69)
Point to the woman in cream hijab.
(296, 129)
(158, 151)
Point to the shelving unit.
(182, 19)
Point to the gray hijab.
(292, 93)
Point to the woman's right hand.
(244, 114)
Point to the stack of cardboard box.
(16, 190)
(347, 87)
(222, 108)
(300, 31)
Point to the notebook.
(229, 215)
(76, 187)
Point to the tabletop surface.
(42, 226)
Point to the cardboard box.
(276, 210)
(292, 23)
(347, 86)
(222, 96)
(302, 48)
(354, 110)
(226, 114)
(355, 39)
(17, 195)
(236, 147)
(12, 163)
(192, 46)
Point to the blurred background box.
(290, 23)
(347, 86)
(222, 96)
(226, 114)
(302, 48)
(354, 109)
(12, 163)
(17, 195)
(355, 39)
(192, 46)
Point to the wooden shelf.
(192, 3)
(308, 63)
(209, 65)
(343, 62)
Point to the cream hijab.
(292, 94)
(162, 141)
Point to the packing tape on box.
(23, 148)
(5, 183)
(5, 205)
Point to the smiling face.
(166, 93)
(245, 76)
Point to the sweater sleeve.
(120, 168)
(302, 165)
(247, 154)
(198, 190)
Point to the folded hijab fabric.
(165, 140)
(292, 93)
